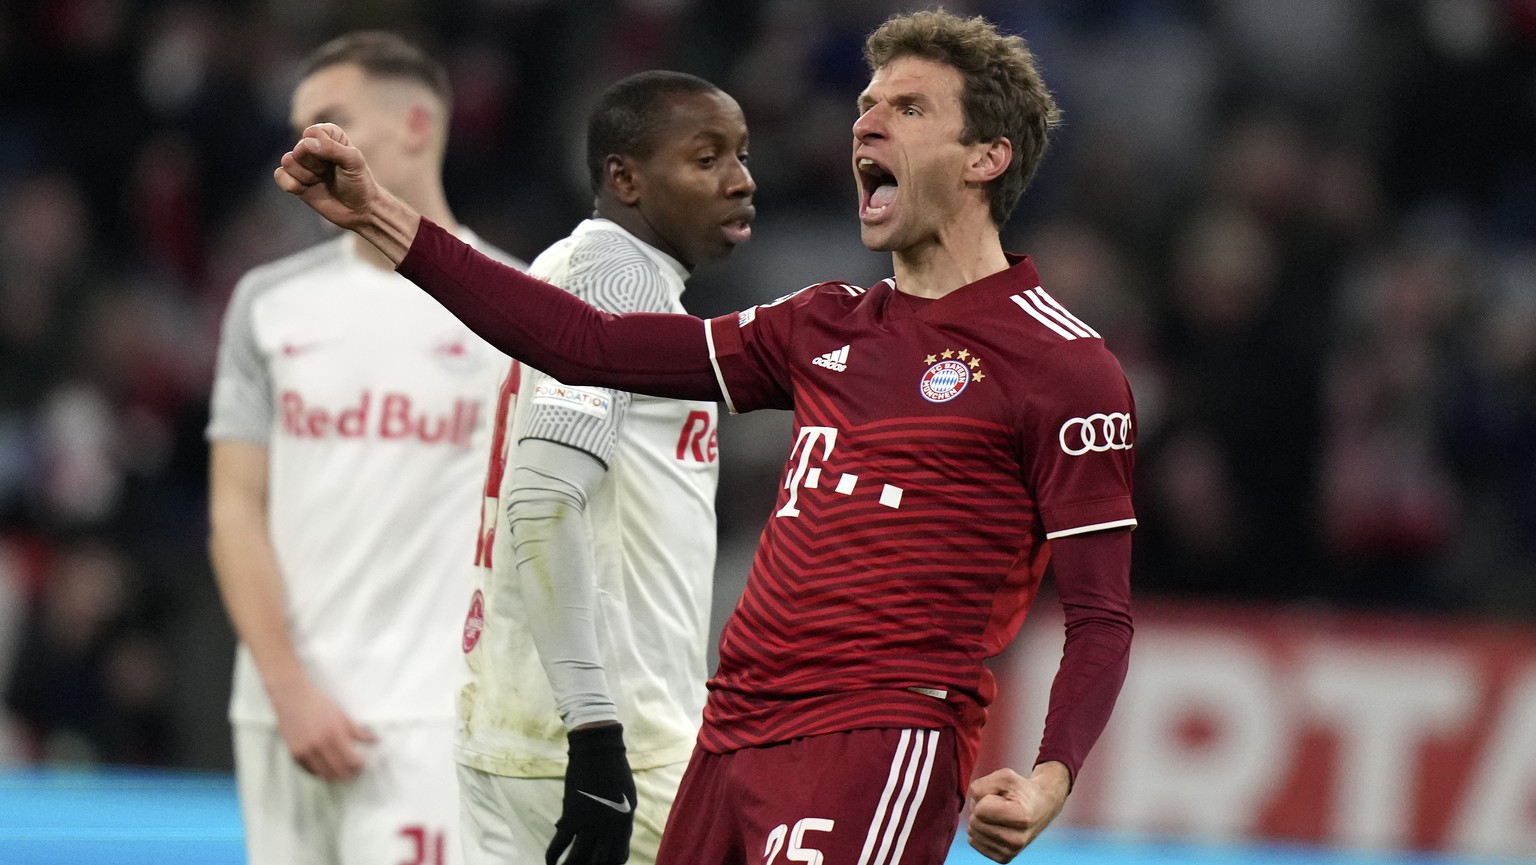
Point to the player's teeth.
(866, 162)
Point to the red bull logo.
(388, 417)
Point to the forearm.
(390, 225)
(1094, 663)
(1093, 579)
(654, 353)
(245, 565)
(250, 584)
(552, 547)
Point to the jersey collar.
(1019, 276)
(598, 223)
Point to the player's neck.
(956, 257)
(633, 220)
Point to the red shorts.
(862, 797)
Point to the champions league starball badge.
(945, 378)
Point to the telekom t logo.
(806, 476)
(805, 445)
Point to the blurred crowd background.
(1306, 227)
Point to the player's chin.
(706, 249)
(728, 239)
(878, 238)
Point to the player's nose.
(740, 183)
(870, 124)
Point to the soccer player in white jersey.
(348, 434)
(587, 635)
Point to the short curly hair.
(1003, 93)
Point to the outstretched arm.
(654, 353)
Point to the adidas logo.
(837, 361)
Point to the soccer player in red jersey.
(956, 430)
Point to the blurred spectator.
(46, 270)
(1389, 503)
(1490, 420)
(1230, 484)
(90, 681)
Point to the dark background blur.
(1306, 227)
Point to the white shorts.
(401, 809)
(510, 821)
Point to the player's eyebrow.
(717, 138)
(900, 100)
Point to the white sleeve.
(241, 407)
(614, 278)
(552, 551)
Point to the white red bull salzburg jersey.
(652, 522)
(370, 399)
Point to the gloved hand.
(599, 810)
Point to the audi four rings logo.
(1096, 433)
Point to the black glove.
(599, 810)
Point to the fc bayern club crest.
(474, 623)
(944, 381)
(949, 372)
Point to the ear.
(989, 160)
(622, 180)
(419, 128)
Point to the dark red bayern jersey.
(938, 446)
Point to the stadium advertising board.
(1296, 724)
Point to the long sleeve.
(661, 354)
(1093, 578)
(553, 544)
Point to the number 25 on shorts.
(797, 850)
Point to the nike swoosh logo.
(292, 350)
(622, 806)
